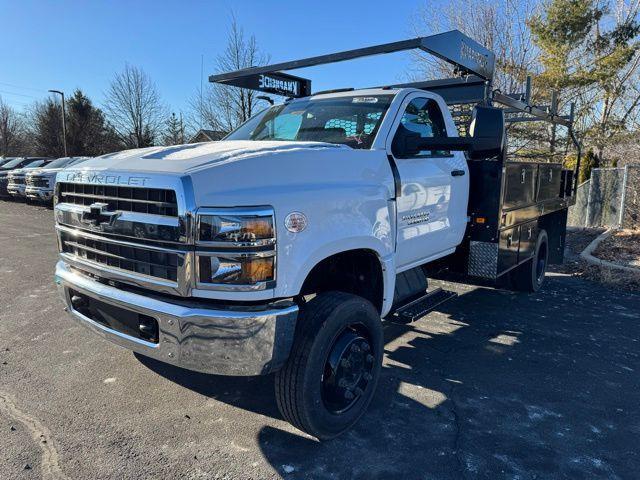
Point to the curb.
(587, 256)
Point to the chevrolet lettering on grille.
(98, 216)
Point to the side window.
(422, 119)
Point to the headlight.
(251, 230)
(240, 248)
(249, 269)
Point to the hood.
(186, 159)
(49, 172)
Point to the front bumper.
(223, 340)
(39, 193)
(16, 190)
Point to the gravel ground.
(493, 385)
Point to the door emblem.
(415, 218)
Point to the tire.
(311, 388)
(529, 276)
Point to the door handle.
(457, 173)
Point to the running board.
(419, 307)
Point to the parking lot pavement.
(493, 385)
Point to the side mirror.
(487, 131)
(485, 140)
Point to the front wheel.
(529, 276)
(332, 372)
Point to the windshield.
(352, 120)
(77, 161)
(34, 164)
(61, 162)
(12, 163)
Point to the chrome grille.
(154, 201)
(42, 182)
(16, 179)
(153, 262)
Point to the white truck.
(282, 247)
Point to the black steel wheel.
(333, 369)
(529, 276)
(347, 371)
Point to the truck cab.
(281, 247)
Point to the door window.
(422, 119)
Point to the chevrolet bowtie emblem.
(98, 216)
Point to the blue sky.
(70, 44)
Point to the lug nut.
(358, 391)
(366, 347)
(355, 348)
(348, 395)
(370, 358)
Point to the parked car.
(6, 160)
(40, 183)
(16, 177)
(11, 165)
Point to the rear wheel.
(529, 276)
(332, 372)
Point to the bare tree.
(501, 26)
(11, 130)
(221, 107)
(134, 107)
(616, 109)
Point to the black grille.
(126, 199)
(162, 265)
(16, 179)
(42, 182)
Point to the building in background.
(207, 136)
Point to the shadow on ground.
(492, 385)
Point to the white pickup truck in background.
(281, 248)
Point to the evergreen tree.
(174, 131)
(87, 132)
(46, 127)
(590, 56)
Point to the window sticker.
(364, 100)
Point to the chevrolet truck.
(40, 183)
(281, 248)
(11, 176)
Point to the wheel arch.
(360, 271)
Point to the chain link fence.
(610, 198)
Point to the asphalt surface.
(493, 385)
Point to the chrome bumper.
(16, 190)
(39, 193)
(221, 341)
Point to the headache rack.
(474, 67)
(509, 200)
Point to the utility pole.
(201, 87)
(64, 122)
(181, 130)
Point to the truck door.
(432, 204)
